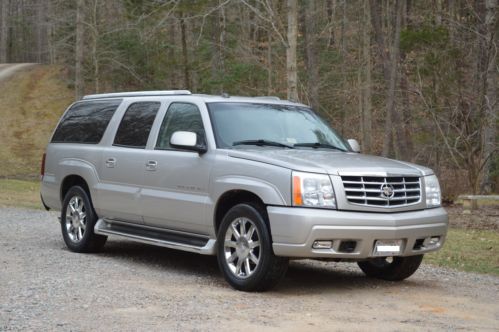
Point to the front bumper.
(294, 231)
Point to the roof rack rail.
(138, 94)
(268, 97)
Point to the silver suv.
(255, 181)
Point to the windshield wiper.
(261, 142)
(317, 145)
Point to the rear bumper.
(294, 231)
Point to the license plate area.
(388, 247)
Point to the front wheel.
(391, 268)
(244, 250)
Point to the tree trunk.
(366, 90)
(291, 66)
(269, 63)
(216, 87)
(312, 59)
(4, 30)
(403, 132)
(491, 106)
(393, 69)
(221, 47)
(41, 33)
(331, 13)
(79, 87)
(185, 59)
(95, 46)
(343, 52)
(375, 7)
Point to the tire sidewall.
(266, 252)
(83, 244)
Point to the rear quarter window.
(85, 122)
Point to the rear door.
(122, 171)
(175, 193)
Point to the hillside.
(31, 102)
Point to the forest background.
(411, 80)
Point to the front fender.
(268, 192)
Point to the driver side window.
(180, 117)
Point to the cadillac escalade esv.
(255, 181)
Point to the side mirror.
(354, 145)
(187, 140)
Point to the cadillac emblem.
(387, 191)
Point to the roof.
(186, 93)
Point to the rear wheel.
(391, 268)
(77, 222)
(244, 250)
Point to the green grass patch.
(20, 193)
(469, 250)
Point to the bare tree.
(390, 62)
(366, 116)
(185, 54)
(291, 67)
(490, 126)
(4, 16)
(79, 51)
(311, 53)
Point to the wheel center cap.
(242, 247)
(76, 220)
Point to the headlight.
(314, 190)
(432, 188)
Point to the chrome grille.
(368, 190)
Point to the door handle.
(110, 162)
(151, 165)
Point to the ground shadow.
(303, 276)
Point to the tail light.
(42, 167)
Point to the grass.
(31, 103)
(469, 250)
(20, 193)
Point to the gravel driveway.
(132, 286)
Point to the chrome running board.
(156, 236)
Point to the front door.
(175, 192)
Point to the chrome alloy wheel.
(76, 218)
(242, 247)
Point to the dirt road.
(131, 286)
(8, 69)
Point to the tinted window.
(85, 122)
(180, 117)
(136, 124)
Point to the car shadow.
(303, 276)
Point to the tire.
(247, 261)
(399, 269)
(78, 219)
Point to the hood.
(330, 162)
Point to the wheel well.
(73, 180)
(232, 198)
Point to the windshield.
(281, 125)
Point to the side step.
(158, 237)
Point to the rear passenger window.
(136, 125)
(180, 117)
(85, 122)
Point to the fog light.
(322, 244)
(431, 241)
